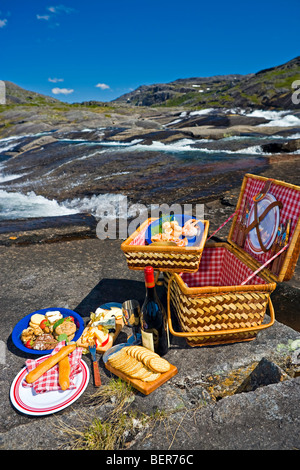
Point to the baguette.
(64, 373)
(51, 361)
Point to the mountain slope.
(267, 89)
(18, 95)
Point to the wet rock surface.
(47, 229)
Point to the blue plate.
(110, 305)
(181, 219)
(24, 323)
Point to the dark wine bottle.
(154, 327)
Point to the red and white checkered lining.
(220, 267)
(140, 238)
(50, 379)
(290, 199)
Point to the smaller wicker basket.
(162, 258)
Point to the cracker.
(135, 369)
(145, 355)
(139, 363)
(158, 364)
(132, 350)
(142, 373)
(125, 364)
(139, 353)
(118, 357)
(147, 359)
(152, 377)
(129, 365)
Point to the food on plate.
(28, 336)
(67, 327)
(48, 363)
(64, 369)
(49, 320)
(173, 232)
(102, 313)
(139, 363)
(101, 328)
(189, 229)
(36, 319)
(53, 316)
(34, 323)
(44, 341)
(44, 331)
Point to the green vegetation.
(121, 424)
(256, 90)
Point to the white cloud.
(103, 86)
(60, 9)
(3, 23)
(52, 13)
(55, 80)
(61, 91)
(43, 17)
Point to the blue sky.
(99, 50)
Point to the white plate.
(27, 401)
(268, 226)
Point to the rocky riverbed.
(239, 396)
(83, 159)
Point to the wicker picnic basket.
(162, 258)
(225, 301)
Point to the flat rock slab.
(47, 229)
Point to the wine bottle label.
(147, 340)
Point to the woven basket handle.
(215, 333)
(264, 265)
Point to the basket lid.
(267, 222)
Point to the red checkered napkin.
(49, 380)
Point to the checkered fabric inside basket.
(140, 238)
(290, 199)
(220, 267)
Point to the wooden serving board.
(119, 326)
(144, 387)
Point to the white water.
(277, 118)
(187, 145)
(273, 118)
(14, 205)
(17, 205)
(5, 178)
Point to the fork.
(97, 378)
